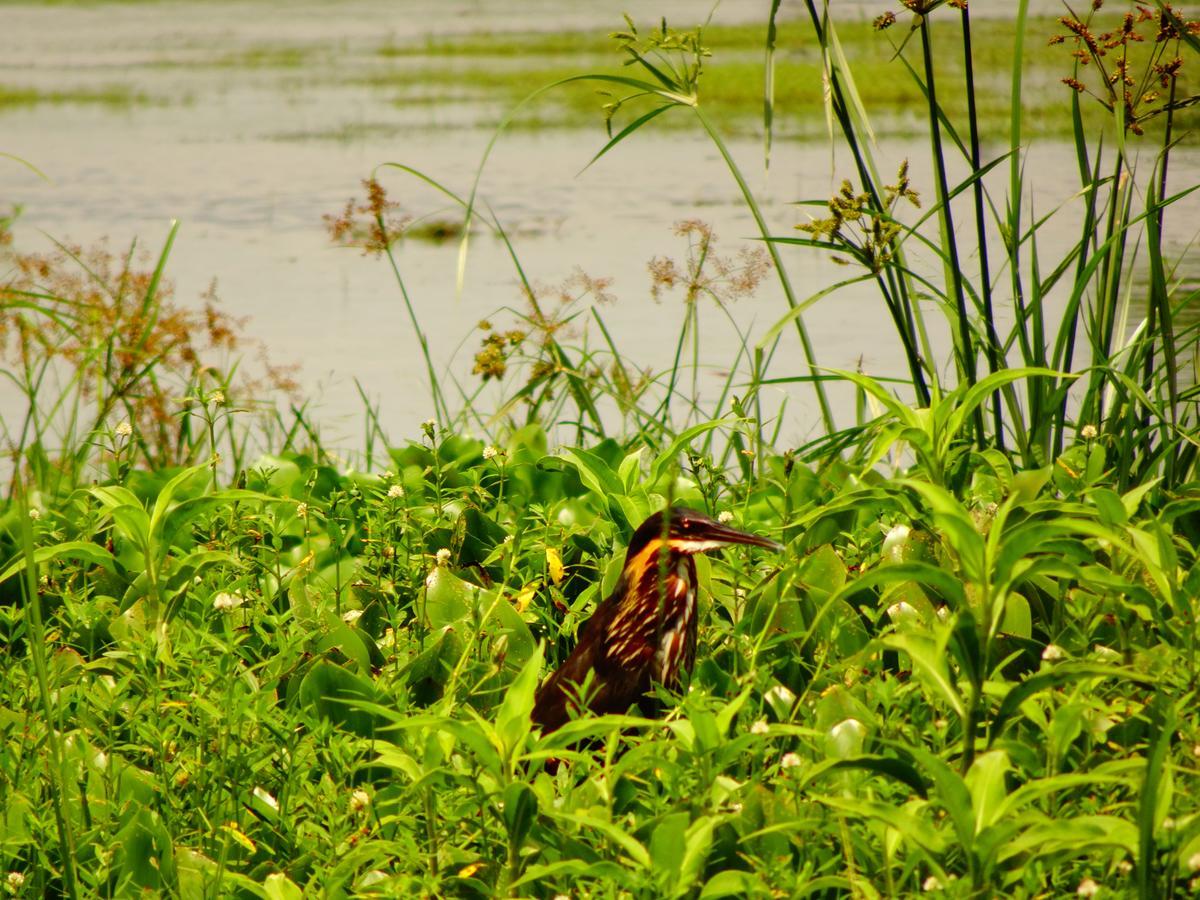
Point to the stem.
(985, 278)
(788, 293)
(37, 652)
(966, 348)
(897, 297)
(439, 402)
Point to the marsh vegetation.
(239, 661)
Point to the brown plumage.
(642, 633)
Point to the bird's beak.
(717, 535)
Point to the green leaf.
(278, 886)
(84, 551)
(667, 457)
(332, 693)
(668, 846)
(512, 719)
(929, 662)
(1061, 674)
(985, 781)
(890, 767)
(520, 810)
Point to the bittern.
(645, 631)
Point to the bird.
(644, 633)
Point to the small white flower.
(789, 760)
(943, 613)
(225, 601)
(123, 430)
(302, 510)
(359, 801)
(351, 616)
(1053, 653)
(443, 557)
(1088, 432)
(490, 452)
(1169, 823)
(35, 513)
(266, 798)
(1193, 862)
(725, 517)
(217, 398)
(1196, 750)
(759, 727)
(1087, 888)
(1125, 867)
(939, 724)
(395, 492)
(428, 425)
(15, 880)
(931, 884)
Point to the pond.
(249, 126)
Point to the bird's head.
(687, 532)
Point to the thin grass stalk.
(966, 347)
(1104, 313)
(1013, 219)
(1064, 357)
(784, 281)
(896, 297)
(1158, 294)
(992, 349)
(439, 402)
(36, 636)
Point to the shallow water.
(249, 159)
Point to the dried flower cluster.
(1135, 81)
(705, 273)
(112, 328)
(549, 310)
(372, 223)
(854, 227)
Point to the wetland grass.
(972, 671)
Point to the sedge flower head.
(443, 557)
(226, 601)
(725, 517)
(123, 430)
(790, 760)
(395, 492)
(1087, 888)
(359, 801)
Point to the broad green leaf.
(668, 846)
(929, 662)
(985, 781)
(84, 551)
(512, 719)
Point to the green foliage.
(934, 681)
(970, 671)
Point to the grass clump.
(14, 97)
